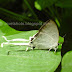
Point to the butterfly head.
(31, 44)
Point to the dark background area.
(26, 11)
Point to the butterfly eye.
(33, 47)
(31, 42)
(58, 44)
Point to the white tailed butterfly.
(46, 38)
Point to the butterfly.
(47, 37)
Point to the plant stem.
(15, 16)
(52, 12)
(48, 13)
(26, 2)
(55, 15)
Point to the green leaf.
(6, 30)
(19, 60)
(37, 6)
(67, 62)
(61, 40)
(41, 4)
(64, 3)
(31, 61)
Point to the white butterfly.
(47, 37)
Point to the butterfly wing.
(47, 37)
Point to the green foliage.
(2, 1)
(26, 2)
(37, 6)
(31, 61)
(15, 16)
(64, 4)
(41, 4)
(6, 2)
(52, 9)
(20, 60)
(37, 60)
(67, 62)
(6, 29)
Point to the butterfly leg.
(55, 49)
(49, 50)
(27, 49)
(33, 48)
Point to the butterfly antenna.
(64, 36)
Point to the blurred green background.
(39, 11)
